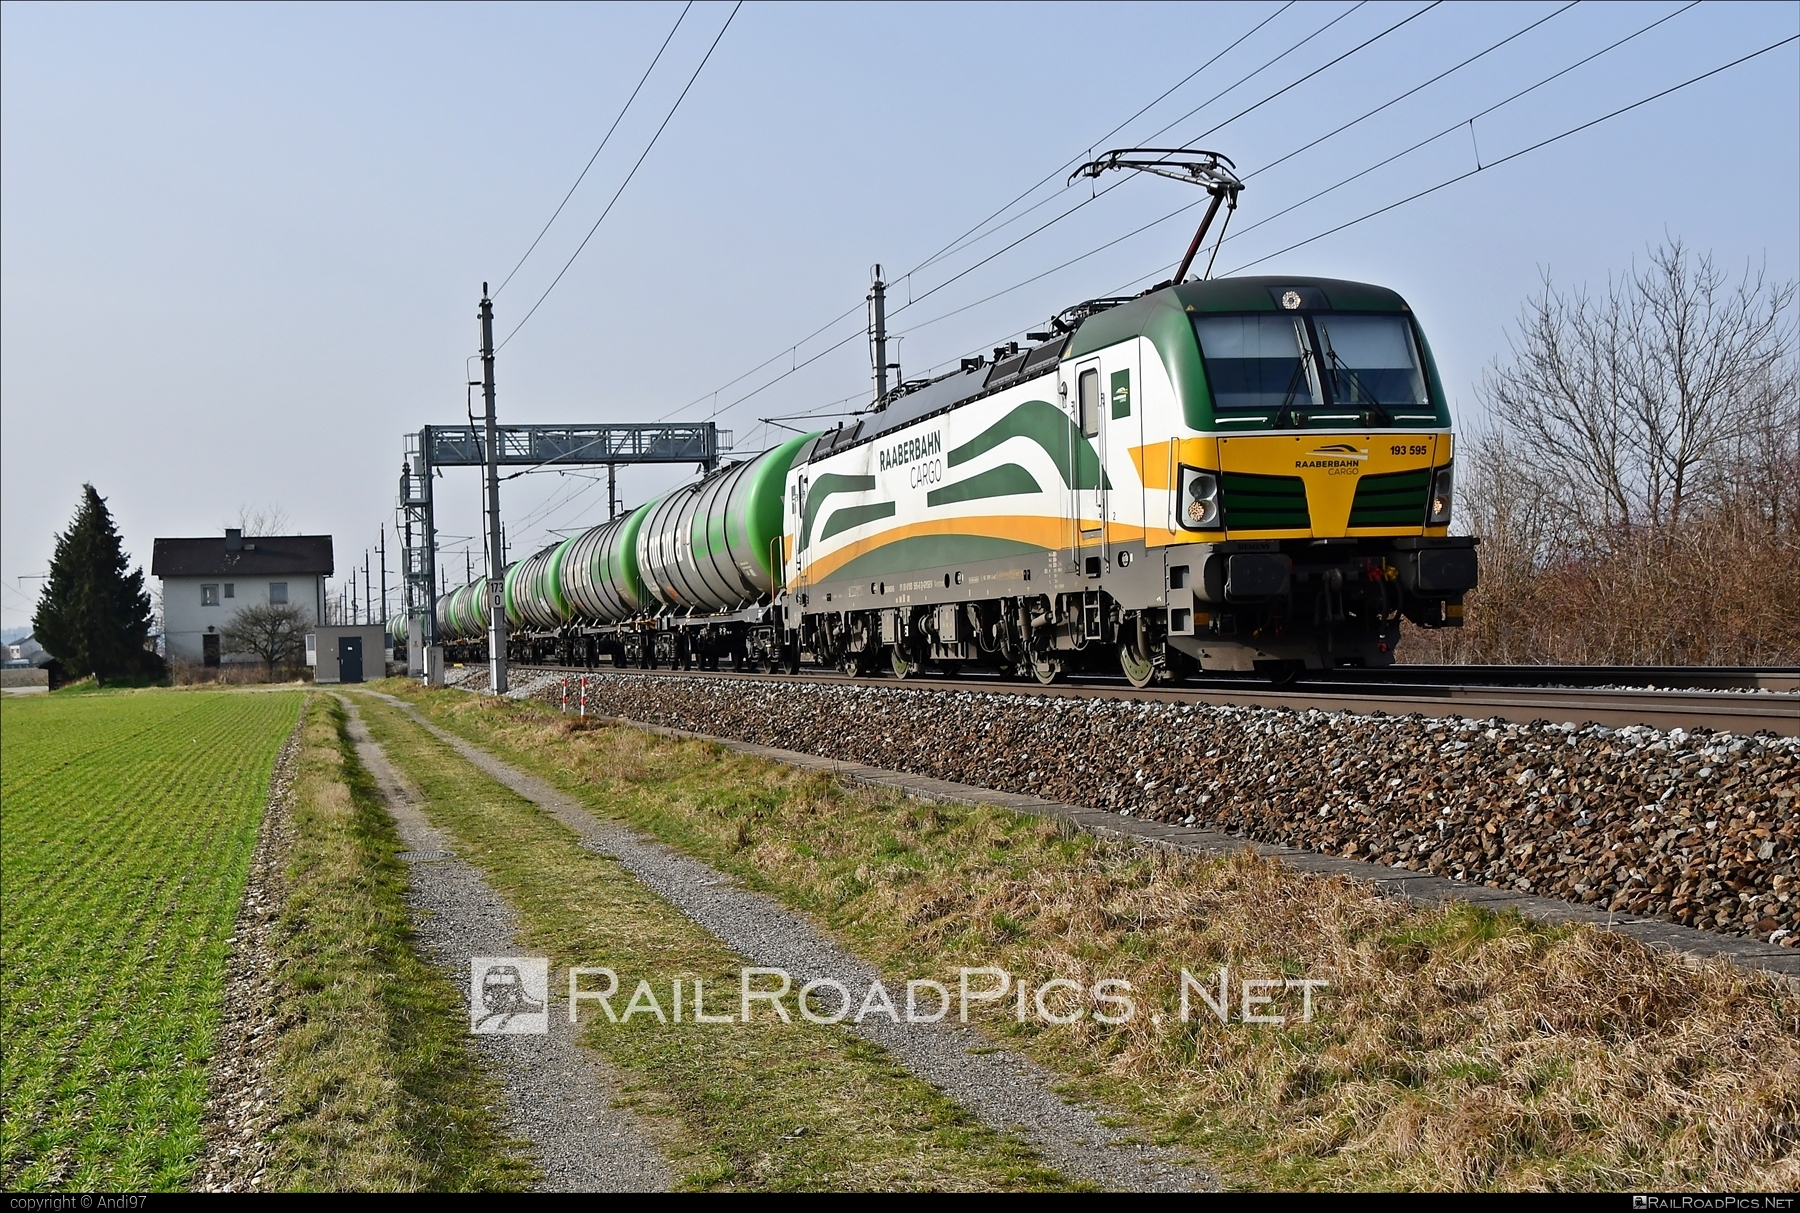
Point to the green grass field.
(126, 826)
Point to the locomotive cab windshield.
(1299, 366)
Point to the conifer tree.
(94, 616)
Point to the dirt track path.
(1004, 1089)
(559, 1096)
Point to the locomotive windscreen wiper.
(1360, 388)
(1284, 416)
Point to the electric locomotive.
(1234, 474)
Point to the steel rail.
(1725, 711)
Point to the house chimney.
(234, 539)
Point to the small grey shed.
(344, 652)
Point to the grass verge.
(1453, 1049)
(379, 1088)
(126, 826)
(765, 1105)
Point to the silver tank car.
(600, 581)
(534, 595)
(712, 547)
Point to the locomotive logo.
(1334, 455)
(509, 995)
(903, 453)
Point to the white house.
(205, 582)
(25, 653)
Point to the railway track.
(1559, 694)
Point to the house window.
(230, 590)
(209, 595)
(278, 592)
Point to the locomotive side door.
(1088, 491)
(802, 555)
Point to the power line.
(1418, 88)
(1574, 130)
(1109, 189)
(1302, 80)
(956, 245)
(793, 349)
(609, 134)
(798, 366)
(1364, 172)
(1457, 126)
(634, 168)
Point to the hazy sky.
(241, 248)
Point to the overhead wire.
(920, 298)
(955, 244)
(1490, 164)
(958, 244)
(1459, 125)
(1181, 210)
(603, 142)
(801, 365)
(1543, 143)
(1216, 96)
(1485, 51)
(1296, 83)
(628, 176)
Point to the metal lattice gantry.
(441, 446)
(461, 445)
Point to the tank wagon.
(1249, 474)
(690, 577)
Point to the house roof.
(260, 554)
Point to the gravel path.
(559, 1096)
(1005, 1090)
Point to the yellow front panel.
(1330, 466)
(1156, 461)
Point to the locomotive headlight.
(1440, 498)
(1197, 507)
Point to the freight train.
(1249, 474)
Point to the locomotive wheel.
(1139, 670)
(1046, 669)
(902, 668)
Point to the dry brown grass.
(1453, 1049)
(235, 673)
(1716, 592)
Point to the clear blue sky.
(241, 247)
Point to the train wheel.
(1046, 669)
(1139, 670)
(902, 668)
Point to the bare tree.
(1629, 407)
(276, 633)
(1637, 482)
(262, 520)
